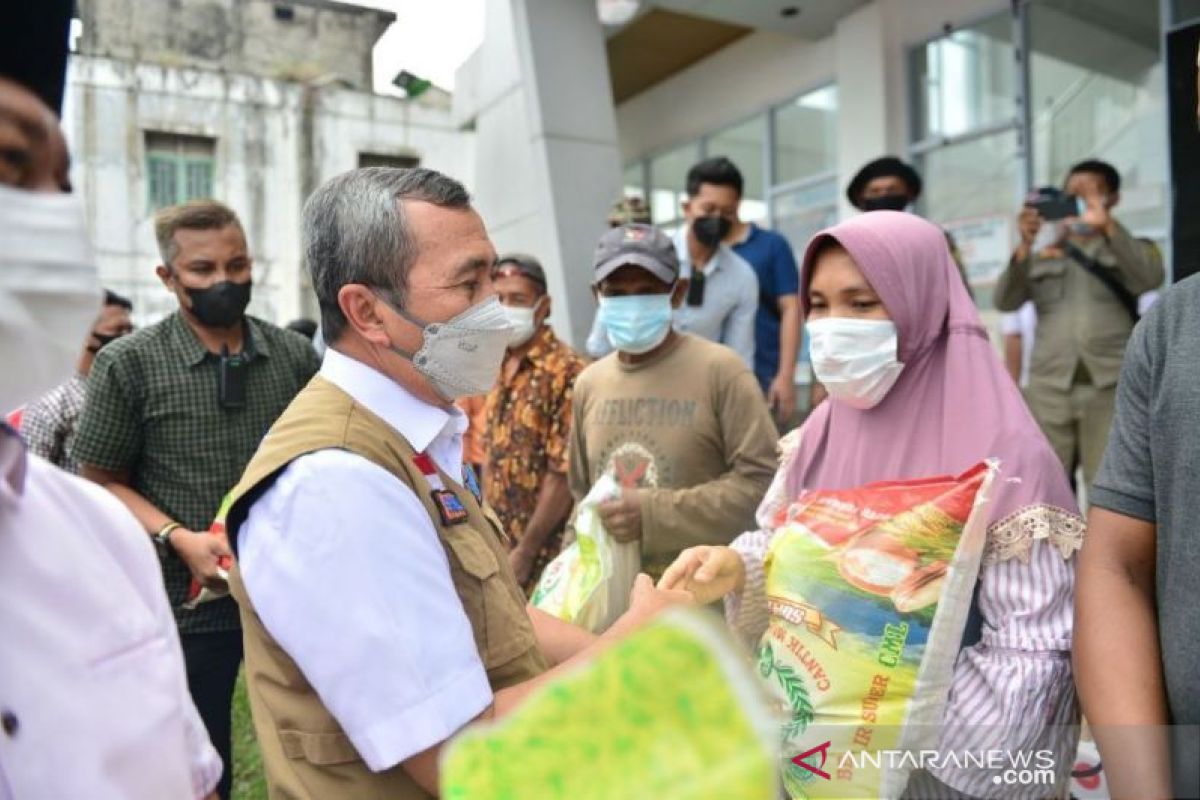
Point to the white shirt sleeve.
(347, 573)
(1010, 324)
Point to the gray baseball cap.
(636, 245)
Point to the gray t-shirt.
(1151, 470)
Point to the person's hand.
(521, 563)
(1096, 214)
(622, 517)
(706, 573)
(647, 601)
(1029, 222)
(201, 552)
(781, 397)
(816, 395)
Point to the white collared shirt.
(347, 572)
(93, 692)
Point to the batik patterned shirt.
(528, 429)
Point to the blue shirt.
(771, 257)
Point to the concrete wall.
(239, 36)
(275, 141)
(536, 93)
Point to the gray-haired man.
(380, 611)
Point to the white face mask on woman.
(49, 292)
(855, 359)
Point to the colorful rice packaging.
(868, 591)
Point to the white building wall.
(266, 160)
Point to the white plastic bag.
(590, 580)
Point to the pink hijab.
(953, 406)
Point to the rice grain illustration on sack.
(868, 591)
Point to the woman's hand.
(707, 573)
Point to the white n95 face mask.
(461, 357)
(855, 359)
(49, 292)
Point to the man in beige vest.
(380, 612)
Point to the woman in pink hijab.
(916, 391)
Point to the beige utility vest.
(305, 753)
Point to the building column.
(548, 166)
(867, 111)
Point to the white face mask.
(461, 357)
(522, 322)
(855, 359)
(49, 292)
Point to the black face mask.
(887, 202)
(104, 339)
(710, 231)
(221, 305)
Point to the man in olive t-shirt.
(678, 421)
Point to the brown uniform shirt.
(1080, 320)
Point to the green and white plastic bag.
(673, 712)
(589, 582)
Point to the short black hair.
(718, 171)
(111, 298)
(1105, 170)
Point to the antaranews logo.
(1010, 768)
(819, 771)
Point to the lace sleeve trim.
(1015, 535)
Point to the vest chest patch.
(449, 507)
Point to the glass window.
(745, 144)
(972, 189)
(806, 136)
(965, 81)
(178, 168)
(1098, 91)
(800, 213)
(668, 182)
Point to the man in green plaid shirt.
(173, 414)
